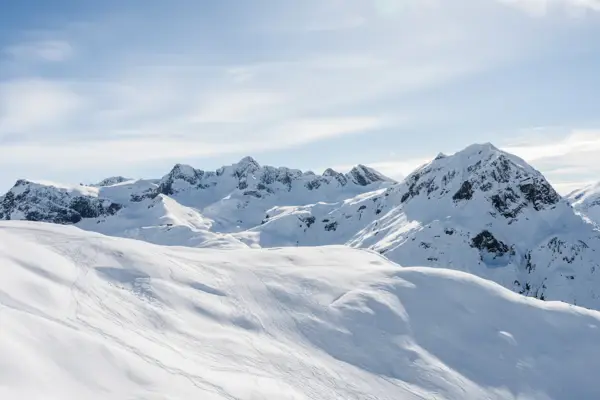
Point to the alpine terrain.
(87, 316)
(587, 201)
(481, 211)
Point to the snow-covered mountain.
(587, 201)
(187, 206)
(480, 210)
(86, 316)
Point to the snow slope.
(85, 316)
(587, 201)
(480, 210)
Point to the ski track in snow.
(89, 316)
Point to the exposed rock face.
(113, 180)
(35, 202)
(485, 241)
(249, 175)
(480, 210)
(250, 189)
(363, 176)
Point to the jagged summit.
(248, 161)
(363, 175)
(480, 210)
(483, 171)
(110, 181)
(330, 172)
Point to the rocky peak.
(331, 172)
(245, 167)
(363, 176)
(110, 181)
(62, 205)
(179, 172)
(507, 182)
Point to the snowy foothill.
(88, 316)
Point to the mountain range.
(481, 211)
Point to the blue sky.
(92, 89)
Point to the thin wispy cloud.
(131, 147)
(44, 50)
(281, 81)
(30, 104)
(567, 160)
(542, 7)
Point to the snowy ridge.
(481, 211)
(231, 199)
(324, 323)
(59, 204)
(110, 181)
(587, 201)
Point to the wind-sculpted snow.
(85, 316)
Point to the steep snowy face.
(480, 210)
(587, 201)
(62, 205)
(505, 185)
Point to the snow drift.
(89, 316)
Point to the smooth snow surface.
(85, 316)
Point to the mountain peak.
(363, 175)
(486, 147)
(483, 171)
(246, 166)
(110, 181)
(248, 160)
(330, 172)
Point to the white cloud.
(47, 50)
(567, 161)
(350, 68)
(311, 129)
(575, 143)
(34, 103)
(238, 106)
(542, 7)
(135, 149)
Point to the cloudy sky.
(90, 89)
